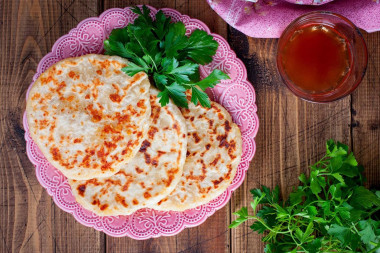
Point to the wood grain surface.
(292, 132)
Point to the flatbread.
(150, 176)
(87, 117)
(214, 151)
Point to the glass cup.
(356, 46)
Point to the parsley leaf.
(330, 211)
(177, 93)
(201, 47)
(213, 79)
(201, 96)
(161, 48)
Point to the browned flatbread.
(214, 151)
(150, 176)
(88, 117)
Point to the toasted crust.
(150, 176)
(214, 151)
(87, 117)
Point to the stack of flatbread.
(120, 150)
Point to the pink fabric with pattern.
(236, 95)
(268, 18)
(309, 2)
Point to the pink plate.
(268, 18)
(236, 95)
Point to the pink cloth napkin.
(309, 2)
(268, 18)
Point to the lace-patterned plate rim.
(154, 224)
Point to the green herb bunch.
(331, 211)
(170, 58)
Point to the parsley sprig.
(331, 211)
(161, 48)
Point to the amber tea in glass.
(321, 57)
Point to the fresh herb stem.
(330, 211)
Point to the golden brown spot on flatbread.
(135, 201)
(117, 64)
(227, 126)
(56, 154)
(232, 149)
(162, 200)
(115, 98)
(160, 153)
(120, 199)
(223, 141)
(78, 140)
(101, 154)
(82, 87)
(200, 177)
(136, 77)
(141, 104)
(103, 64)
(147, 158)
(73, 75)
(47, 80)
(170, 176)
(81, 189)
(95, 202)
(215, 161)
(125, 151)
(117, 138)
(97, 82)
(138, 170)
(103, 207)
(70, 98)
(152, 131)
(96, 115)
(99, 72)
(36, 96)
(208, 146)
(112, 181)
(71, 62)
(176, 127)
(196, 137)
(110, 145)
(43, 124)
(216, 182)
(106, 166)
(129, 180)
(147, 195)
(110, 129)
(61, 85)
(146, 144)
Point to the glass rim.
(301, 93)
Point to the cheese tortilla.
(150, 176)
(88, 117)
(214, 151)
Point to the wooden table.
(292, 132)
